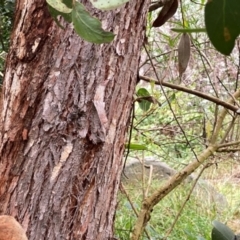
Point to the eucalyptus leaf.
(168, 10)
(59, 6)
(222, 23)
(54, 13)
(143, 92)
(88, 27)
(68, 3)
(134, 146)
(184, 51)
(188, 30)
(108, 4)
(144, 103)
(222, 232)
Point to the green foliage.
(144, 101)
(194, 223)
(188, 30)
(222, 232)
(125, 219)
(222, 23)
(221, 20)
(135, 146)
(59, 6)
(6, 21)
(86, 26)
(55, 14)
(157, 129)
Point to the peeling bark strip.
(65, 114)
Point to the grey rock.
(162, 171)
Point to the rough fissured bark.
(66, 107)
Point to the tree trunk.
(66, 107)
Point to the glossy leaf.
(222, 23)
(88, 27)
(222, 232)
(134, 146)
(59, 6)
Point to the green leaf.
(68, 3)
(144, 104)
(134, 146)
(188, 30)
(54, 13)
(88, 27)
(143, 92)
(222, 23)
(59, 6)
(222, 232)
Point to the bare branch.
(229, 144)
(193, 92)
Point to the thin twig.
(228, 144)
(228, 129)
(193, 92)
(122, 188)
(185, 202)
(170, 106)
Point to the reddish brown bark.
(65, 113)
